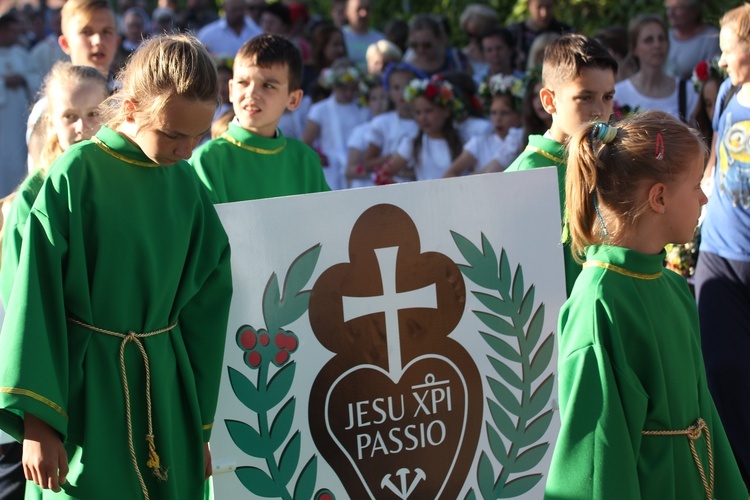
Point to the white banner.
(393, 342)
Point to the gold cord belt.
(693, 433)
(153, 460)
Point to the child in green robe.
(253, 159)
(114, 333)
(637, 418)
(578, 78)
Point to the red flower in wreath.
(701, 70)
(431, 91)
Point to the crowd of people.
(270, 99)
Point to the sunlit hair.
(75, 8)
(268, 50)
(739, 19)
(161, 68)
(635, 26)
(567, 56)
(616, 175)
(62, 78)
(483, 15)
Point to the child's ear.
(229, 84)
(656, 198)
(64, 45)
(295, 99)
(130, 106)
(548, 100)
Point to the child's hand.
(44, 458)
(323, 158)
(207, 460)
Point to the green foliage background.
(585, 15)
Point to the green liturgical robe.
(13, 230)
(630, 361)
(543, 152)
(240, 166)
(118, 244)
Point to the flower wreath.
(331, 77)
(704, 70)
(438, 92)
(499, 85)
(366, 84)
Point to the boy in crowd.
(578, 78)
(253, 159)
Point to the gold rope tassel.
(154, 463)
(693, 433)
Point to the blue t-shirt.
(726, 228)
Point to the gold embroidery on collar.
(109, 151)
(208, 426)
(620, 270)
(547, 155)
(34, 395)
(239, 144)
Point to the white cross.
(390, 303)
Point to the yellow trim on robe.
(107, 150)
(239, 144)
(208, 426)
(545, 154)
(619, 270)
(34, 395)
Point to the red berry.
(248, 339)
(264, 339)
(253, 359)
(291, 343)
(280, 340)
(281, 357)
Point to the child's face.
(496, 54)
(684, 199)
(585, 99)
(74, 112)
(378, 100)
(651, 46)
(225, 76)
(91, 40)
(346, 93)
(503, 116)
(396, 84)
(709, 92)
(335, 47)
(173, 133)
(430, 117)
(260, 96)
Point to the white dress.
(358, 140)
(434, 158)
(387, 130)
(490, 146)
(336, 122)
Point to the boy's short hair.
(267, 50)
(74, 8)
(567, 56)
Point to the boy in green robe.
(578, 78)
(253, 159)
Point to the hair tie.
(659, 152)
(603, 132)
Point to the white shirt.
(473, 127)
(221, 40)
(292, 123)
(356, 44)
(358, 140)
(489, 146)
(685, 54)
(627, 94)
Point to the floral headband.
(331, 77)
(224, 62)
(706, 70)
(499, 85)
(438, 92)
(368, 82)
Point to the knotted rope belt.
(153, 459)
(693, 433)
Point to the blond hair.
(63, 75)
(74, 8)
(608, 177)
(739, 18)
(161, 68)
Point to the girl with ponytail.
(637, 417)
